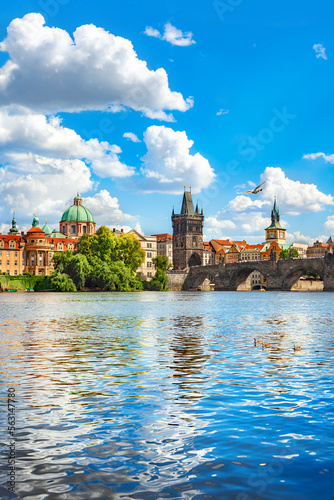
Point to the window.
(7, 254)
(15, 254)
(15, 272)
(194, 241)
(73, 229)
(149, 254)
(149, 245)
(16, 263)
(7, 262)
(23, 254)
(149, 264)
(0, 262)
(84, 230)
(40, 272)
(149, 275)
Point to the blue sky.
(241, 94)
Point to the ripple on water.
(154, 396)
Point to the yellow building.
(149, 245)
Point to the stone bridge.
(279, 275)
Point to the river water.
(164, 395)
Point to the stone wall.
(176, 280)
(308, 286)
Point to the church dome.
(77, 212)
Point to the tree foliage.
(160, 280)
(104, 260)
(285, 254)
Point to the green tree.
(285, 254)
(160, 280)
(129, 251)
(75, 266)
(61, 282)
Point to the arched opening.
(304, 279)
(194, 260)
(250, 279)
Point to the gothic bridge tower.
(187, 234)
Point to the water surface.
(164, 395)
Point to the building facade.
(187, 234)
(149, 245)
(165, 245)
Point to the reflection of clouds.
(156, 395)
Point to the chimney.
(114, 230)
(122, 230)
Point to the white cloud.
(23, 131)
(149, 31)
(36, 183)
(131, 136)
(168, 164)
(50, 72)
(294, 197)
(172, 35)
(250, 216)
(329, 224)
(315, 156)
(297, 237)
(320, 51)
(222, 112)
(241, 203)
(106, 211)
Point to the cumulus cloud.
(294, 197)
(250, 216)
(329, 224)
(241, 203)
(131, 136)
(23, 131)
(298, 237)
(31, 182)
(50, 72)
(315, 156)
(168, 164)
(172, 35)
(106, 211)
(320, 51)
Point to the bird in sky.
(256, 190)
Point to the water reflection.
(165, 395)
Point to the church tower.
(275, 232)
(187, 234)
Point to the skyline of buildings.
(33, 251)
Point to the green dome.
(77, 213)
(56, 234)
(46, 228)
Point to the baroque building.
(77, 220)
(187, 234)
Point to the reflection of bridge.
(280, 275)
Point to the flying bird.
(256, 190)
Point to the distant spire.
(13, 229)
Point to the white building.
(301, 249)
(165, 245)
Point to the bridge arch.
(194, 260)
(292, 276)
(239, 282)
